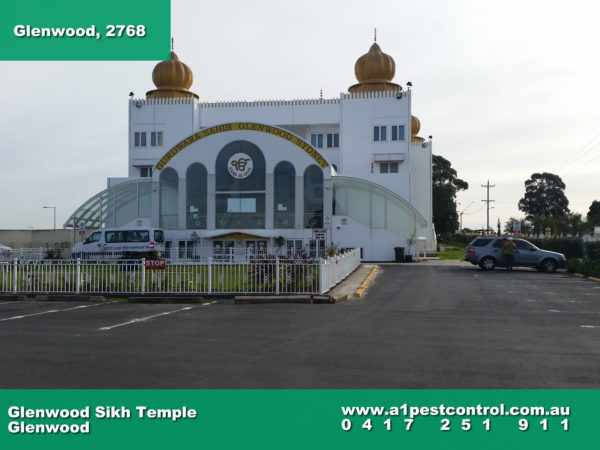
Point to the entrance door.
(317, 248)
(294, 246)
(223, 249)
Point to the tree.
(593, 215)
(573, 224)
(445, 186)
(544, 196)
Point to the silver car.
(486, 252)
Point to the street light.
(462, 212)
(54, 208)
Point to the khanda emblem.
(240, 165)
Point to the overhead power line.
(579, 153)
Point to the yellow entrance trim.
(238, 236)
(243, 126)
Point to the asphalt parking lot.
(418, 326)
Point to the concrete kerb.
(359, 292)
(580, 275)
(53, 298)
(347, 288)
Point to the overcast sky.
(506, 89)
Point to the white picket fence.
(273, 276)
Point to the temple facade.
(298, 175)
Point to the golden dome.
(415, 126)
(172, 79)
(374, 71)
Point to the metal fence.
(173, 254)
(269, 275)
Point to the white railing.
(335, 268)
(268, 275)
(173, 254)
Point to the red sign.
(156, 264)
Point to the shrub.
(584, 266)
(592, 250)
(574, 265)
(570, 247)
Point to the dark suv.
(487, 253)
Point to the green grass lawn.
(452, 250)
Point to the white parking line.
(6, 303)
(142, 319)
(554, 310)
(50, 312)
(588, 326)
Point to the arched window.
(240, 186)
(168, 199)
(196, 192)
(284, 198)
(313, 197)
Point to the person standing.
(509, 249)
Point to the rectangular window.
(380, 133)
(333, 140)
(384, 168)
(394, 167)
(140, 139)
(156, 139)
(244, 205)
(316, 140)
(397, 132)
(146, 172)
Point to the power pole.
(487, 200)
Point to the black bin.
(399, 254)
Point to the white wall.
(360, 115)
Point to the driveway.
(418, 326)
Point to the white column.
(269, 198)
(155, 198)
(210, 201)
(327, 207)
(300, 202)
(181, 204)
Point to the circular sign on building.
(240, 165)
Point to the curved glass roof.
(115, 206)
(374, 206)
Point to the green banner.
(85, 30)
(300, 419)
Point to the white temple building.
(261, 175)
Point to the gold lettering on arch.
(243, 126)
